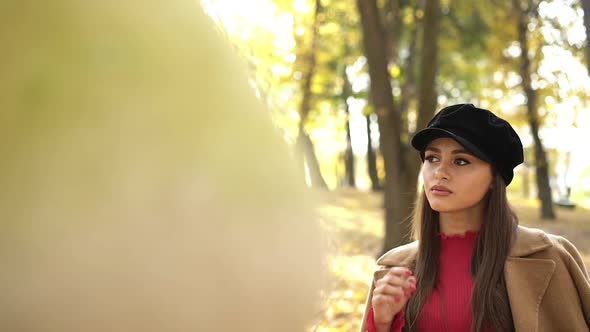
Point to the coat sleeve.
(579, 274)
(397, 325)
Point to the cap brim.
(427, 135)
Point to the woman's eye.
(461, 162)
(431, 158)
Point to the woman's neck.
(459, 222)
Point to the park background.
(347, 83)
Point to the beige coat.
(547, 282)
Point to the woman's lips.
(440, 191)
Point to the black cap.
(480, 132)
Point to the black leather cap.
(480, 132)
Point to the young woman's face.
(454, 179)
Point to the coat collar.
(527, 242)
(526, 277)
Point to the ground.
(353, 222)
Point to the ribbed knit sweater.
(448, 307)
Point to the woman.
(472, 267)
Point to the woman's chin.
(443, 208)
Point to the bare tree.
(401, 166)
(305, 147)
(522, 11)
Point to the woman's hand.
(391, 294)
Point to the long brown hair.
(489, 299)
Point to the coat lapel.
(527, 278)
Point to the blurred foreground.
(143, 185)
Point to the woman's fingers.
(411, 283)
(387, 289)
(398, 276)
(393, 280)
(399, 271)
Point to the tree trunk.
(348, 155)
(541, 164)
(427, 96)
(526, 187)
(304, 144)
(372, 158)
(392, 24)
(586, 7)
(349, 159)
(389, 122)
(408, 86)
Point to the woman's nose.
(441, 172)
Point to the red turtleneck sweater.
(453, 288)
